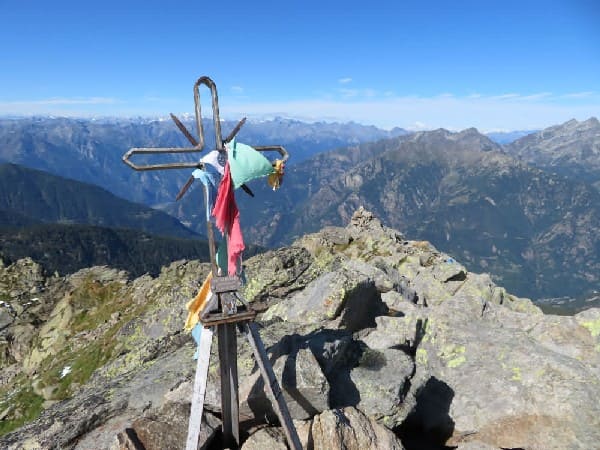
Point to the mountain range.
(534, 229)
(507, 137)
(66, 225)
(515, 210)
(91, 150)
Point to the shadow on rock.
(314, 372)
(429, 425)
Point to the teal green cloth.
(246, 164)
(222, 256)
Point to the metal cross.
(225, 294)
(198, 144)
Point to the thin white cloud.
(349, 93)
(345, 80)
(419, 126)
(237, 89)
(504, 96)
(509, 112)
(58, 101)
(585, 94)
(153, 98)
(355, 93)
(536, 96)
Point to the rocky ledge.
(378, 342)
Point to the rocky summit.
(378, 342)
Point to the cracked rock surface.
(377, 341)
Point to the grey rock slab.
(351, 429)
(276, 273)
(399, 302)
(303, 428)
(448, 269)
(270, 438)
(344, 294)
(305, 388)
(6, 318)
(380, 380)
(381, 281)
(167, 428)
(105, 436)
(394, 331)
(496, 380)
(476, 445)
(429, 289)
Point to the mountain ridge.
(91, 151)
(43, 197)
(571, 149)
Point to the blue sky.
(415, 64)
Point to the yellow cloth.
(196, 305)
(276, 177)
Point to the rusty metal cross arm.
(198, 144)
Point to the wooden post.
(199, 388)
(229, 384)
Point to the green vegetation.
(93, 303)
(23, 405)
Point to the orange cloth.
(196, 305)
(227, 219)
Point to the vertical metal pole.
(229, 384)
(211, 240)
(273, 388)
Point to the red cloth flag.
(227, 218)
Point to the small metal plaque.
(220, 285)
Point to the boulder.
(476, 445)
(167, 427)
(351, 429)
(346, 295)
(274, 274)
(381, 379)
(305, 388)
(395, 331)
(270, 438)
